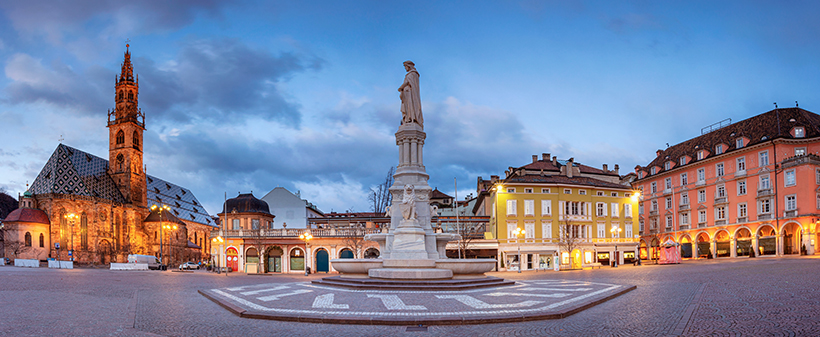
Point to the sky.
(248, 96)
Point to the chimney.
(534, 158)
(570, 167)
(493, 179)
(545, 156)
(616, 169)
(555, 161)
(506, 173)
(658, 153)
(606, 167)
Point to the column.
(754, 249)
(733, 247)
(421, 157)
(714, 248)
(498, 260)
(779, 245)
(332, 256)
(285, 259)
(414, 151)
(406, 146)
(242, 257)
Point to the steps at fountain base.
(428, 285)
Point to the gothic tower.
(125, 136)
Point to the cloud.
(336, 196)
(222, 79)
(58, 84)
(55, 19)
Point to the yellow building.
(551, 208)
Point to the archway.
(297, 259)
(685, 247)
(767, 241)
(251, 258)
(792, 238)
(723, 244)
(322, 260)
(371, 253)
(233, 259)
(346, 254)
(654, 249)
(274, 263)
(643, 254)
(104, 250)
(704, 248)
(576, 259)
(743, 242)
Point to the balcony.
(721, 200)
(684, 207)
(701, 225)
(742, 220)
(700, 183)
(653, 212)
(741, 173)
(294, 233)
(684, 227)
(764, 192)
(790, 214)
(667, 191)
(720, 222)
(764, 217)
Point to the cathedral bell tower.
(126, 124)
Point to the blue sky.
(248, 96)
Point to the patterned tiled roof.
(72, 171)
(765, 127)
(558, 179)
(182, 201)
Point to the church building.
(98, 211)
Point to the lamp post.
(218, 241)
(616, 231)
(170, 246)
(71, 217)
(306, 237)
(517, 232)
(160, 209)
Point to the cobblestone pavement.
(756, 297)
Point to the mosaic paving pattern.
(539, 299)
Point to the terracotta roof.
(558, 179)
(547, 165)
(436, 194)
(765, 127)
(28, 215)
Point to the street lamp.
(170, 246)
(616, 231)
(71, 217)
(160, 209)
(218, 241)
(306, 237)
(517, 232)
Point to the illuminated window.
(701, 154)
(799, 132)
(800, 151)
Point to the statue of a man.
(410, 96)
(408, 203)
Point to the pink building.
(750, 188)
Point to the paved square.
(754, 297)
(303, 301)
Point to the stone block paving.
(304, 301)
(754, 297)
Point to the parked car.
(151, 260)
(188, 265)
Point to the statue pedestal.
(409, 241)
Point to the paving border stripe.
(690, 309)
(414, 320)
(236, 310)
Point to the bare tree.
(258, 239)
(469, 231)
(354, 238)
(569, 238)
(380, 195)
(10, 245)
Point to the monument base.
(410, 273)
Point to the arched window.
(120, 162)
(120, 137)
(136, 139)
(83, 231)
(130, 96)
(121, 94)
(28, 239)
(42, 240)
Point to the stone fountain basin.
(466, 266)
(355, 266)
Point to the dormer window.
(701, 154)
(683, 160)
(799, 132)
(719, 149)
(640, 175)
(739, 143)
(667, 165)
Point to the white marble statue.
(387, 211)
(411, 96)
(408, 203)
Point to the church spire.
(127, 73)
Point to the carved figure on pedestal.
(408, 203)
(410, 96)
(387, 211)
